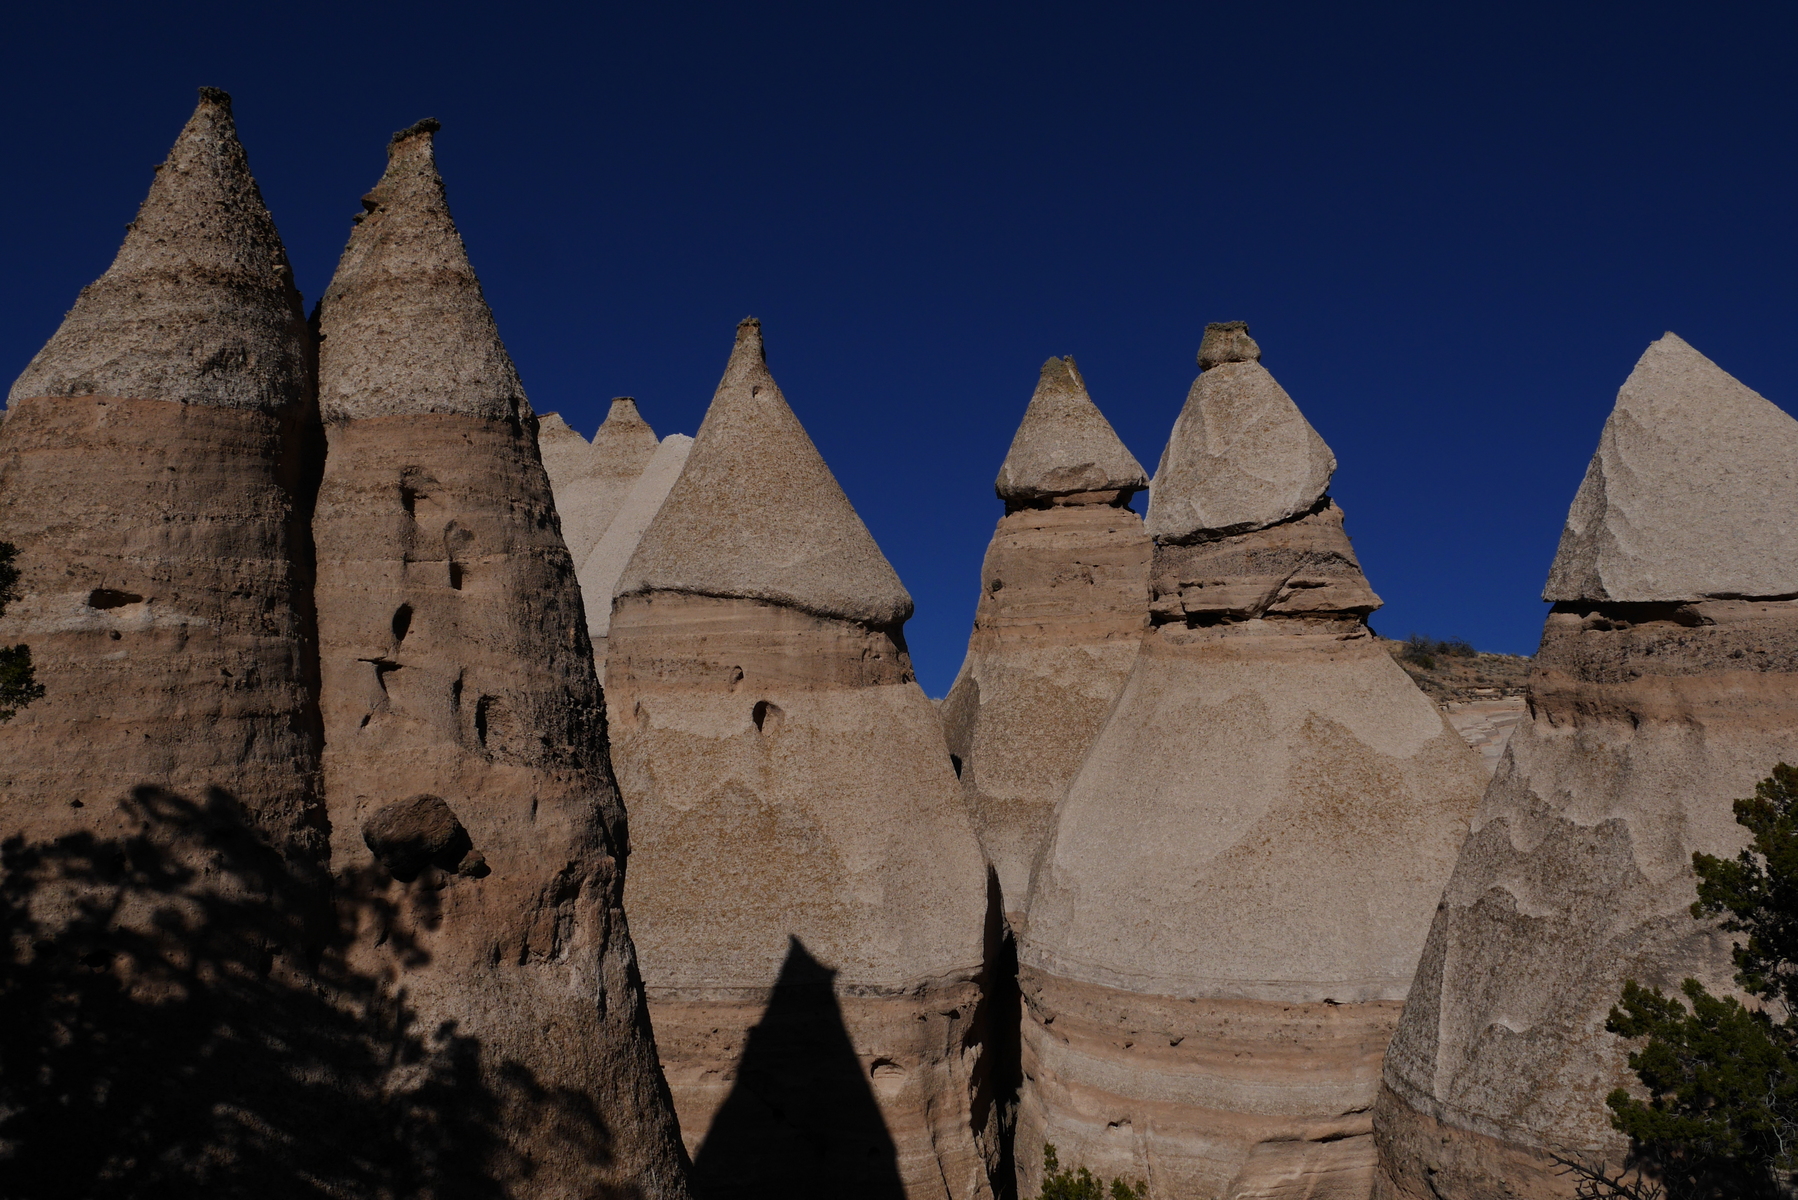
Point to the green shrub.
(1083, 1184)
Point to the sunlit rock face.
(806, 890)
(1663, 689)
(474, 818)
(1231, 903)
(155, 476)
(1064, 603)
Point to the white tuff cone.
(466, 767)
(807, 892)
(1665, 688)
(1233, 897)
(1064, 603)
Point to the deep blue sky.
(1452, 228)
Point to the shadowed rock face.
(1646, 721)
(1230, 906)
(788, 783)
(455, 664)
(1063, 607)
(154, 475)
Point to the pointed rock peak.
(1241, 456)
(1689, 494)
(624, 444)
(199, 304)
(756, 514)
(1065, 447)
(563, 449)
(406, 328)
(624, 421)
(1227, 342)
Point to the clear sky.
(1451, 227)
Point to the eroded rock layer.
(154, 477)
(1063, 607)
(807, 892)
(473, 813)
(1232, 901)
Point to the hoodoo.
(604, 565)
(590, 497)
(466, 764)
(807, 890)
(1064, 604)
(1230, 906)
(153, 477)
(1666, 686)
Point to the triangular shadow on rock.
(801, 1120)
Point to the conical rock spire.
(1065, 445)
(1689, 494)
(624, 439)
(564, 451)
(756, 514)
(199, 304)
(407, 329)
(1241, 456)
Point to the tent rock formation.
(800, 857)
(1063, 608)
(1226, 917)
(464, 742)
(1653, 704)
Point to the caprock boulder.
(1665, 687)
(154, 476)
(808, 893)
(1064, 604)
(1229, 909)
(465, 766)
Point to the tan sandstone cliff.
(152, 475)
(1064, 604)
(807, 891)
(1666, 686)
(470, 798)
(1227, 915)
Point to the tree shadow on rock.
(801, 1120)
(175, 1019)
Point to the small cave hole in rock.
(409, 498)
(480, 719)
(762, 712)
(109, 598)
(455, 575)
(402, 622)
(955, 761)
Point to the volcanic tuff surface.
(1244, 867)
(1647, 719)
(459, 695)
(808, 895)
(1687, 454)
(1064, 446)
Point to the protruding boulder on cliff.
(1229, 908)
(456, 671)
(154, 467)
(1064, 604)
(1065, 447)
(1666, 686)
(808, 895)
(756, 514)
(1688, 453)
(1242, 456)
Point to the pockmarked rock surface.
(1064, 604)
(1227, 915)
(1647, 718)
(153, 475)
(807, 892)
(465, 746)
(1688, 452)
(1242, 456)
(767, 521)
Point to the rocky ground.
(1481, 694)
